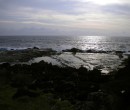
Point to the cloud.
(64, 16)
(102, 2)
(117, 9)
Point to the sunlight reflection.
(93, 42)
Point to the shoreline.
(60, 87)
(30, 55)
(45, 86)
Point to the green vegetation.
(42, 86)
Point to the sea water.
(104, 61)
(59, 43)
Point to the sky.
(65, 17)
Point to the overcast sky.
(65, 17)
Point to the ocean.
(106, 62)
(59, 43)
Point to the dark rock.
(74, 50)
(5, 65)
(35, 48)
(24, 92)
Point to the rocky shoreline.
(48, 87)
(24, 55)
(90, 59)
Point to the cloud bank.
(65, 17)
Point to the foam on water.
(104, 62)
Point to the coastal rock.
(74, 50)
(35, 48)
